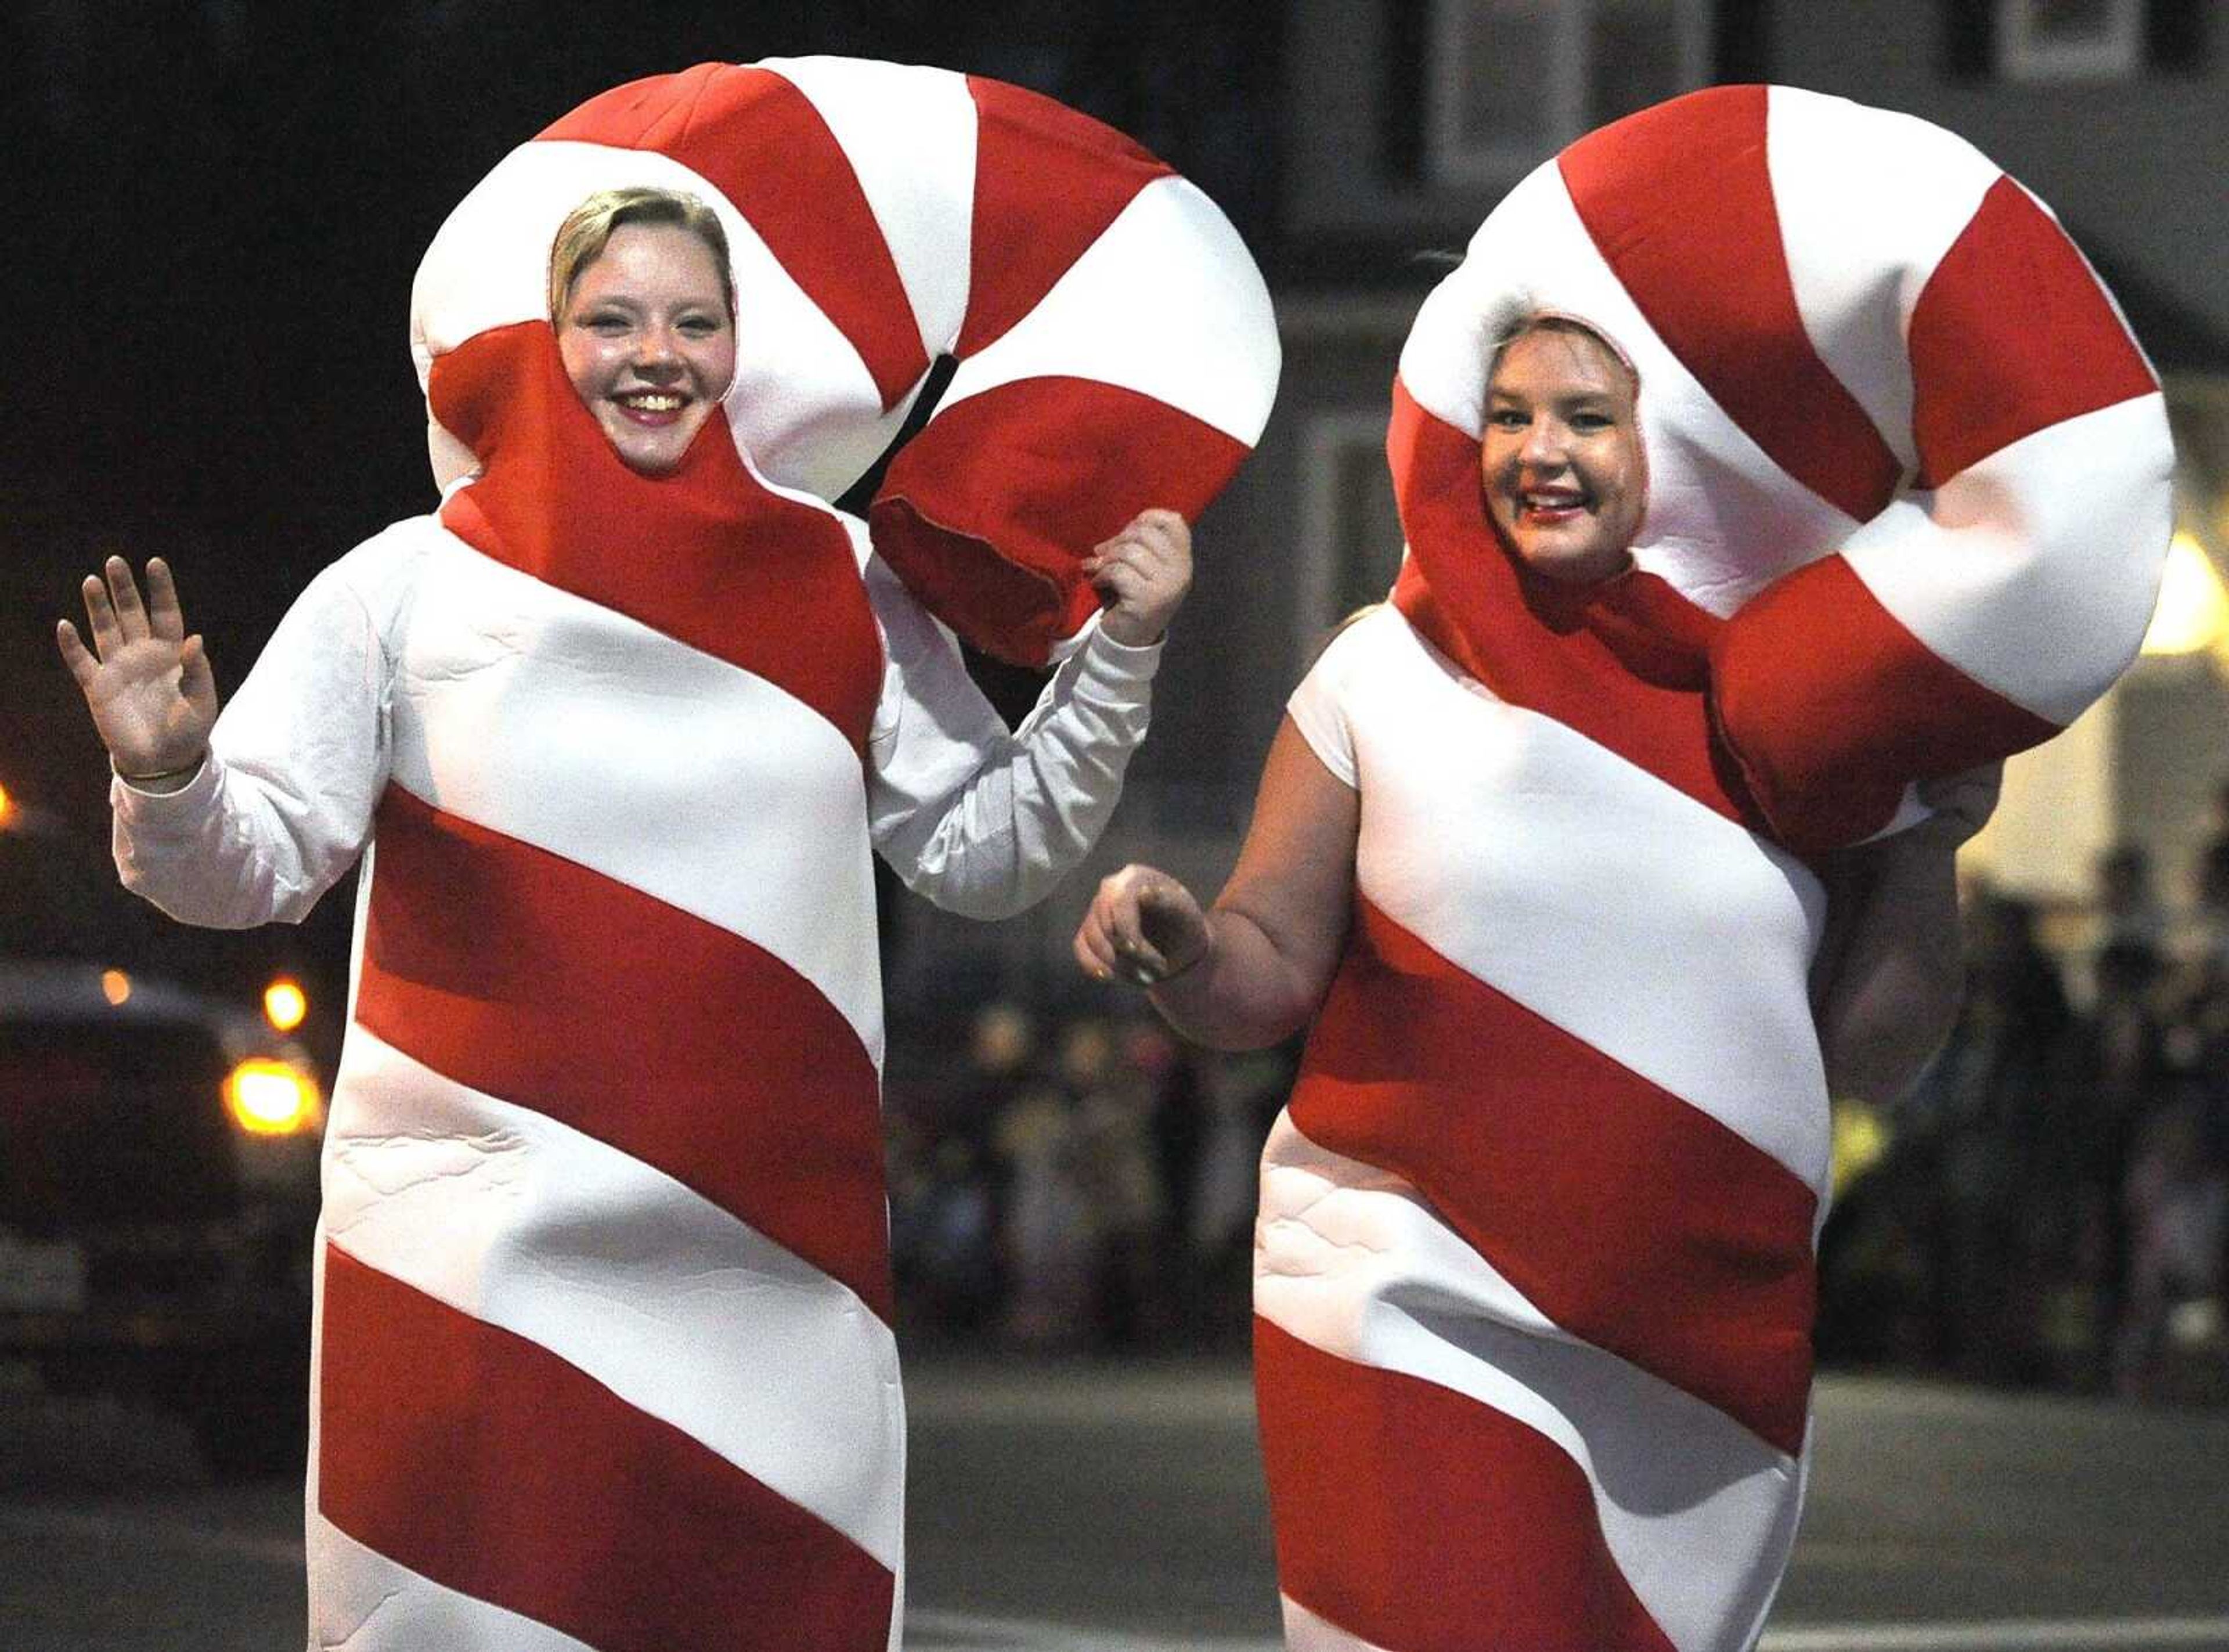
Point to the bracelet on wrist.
(185, 772)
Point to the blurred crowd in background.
(2049, 1206)
(1075, 1179)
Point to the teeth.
(652, 401)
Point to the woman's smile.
(648, 343)
(1560, 458)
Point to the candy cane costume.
(1534, 1277)
(604, 1354)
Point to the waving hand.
(146, 681)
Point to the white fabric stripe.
(1353, 1262)
(367, 1603)
(1845, 176)
(1305, 1632)
(2035, 571)
(1723, 519)
(1624, 912)
(909, 135)
(536, 714)
(803, 404)
(678, 1308)
(1166, 302)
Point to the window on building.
(1507, 83)
(2070, 40)
(1350, 529)
(2063, 41)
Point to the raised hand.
(146, 681)
(1142, 927)
(1142, 573)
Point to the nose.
(654, 352)
(1545, 443)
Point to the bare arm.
(1886, 985)
(1255, 969)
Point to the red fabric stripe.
(1047, 182)
(758, 139)
(707, 554)
(1633, 1220)
(987, 513)
(525, 976)
(1679, 200)
(2011, 335)
(1622, 663)
(485, 1462)
(1831, 707)
(1423, 1521)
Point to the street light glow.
(2193, 610)
(271, 1098)
(285, 1004)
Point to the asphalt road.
(1096, 1508)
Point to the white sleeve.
(1318, 707)
(283, 804)
(981, 821)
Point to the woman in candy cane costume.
(604, 1354)
(1766, 455)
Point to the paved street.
(1083, 1508)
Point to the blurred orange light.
(285, 1004)
(6, 806)
(115, 986)
(271, 1098)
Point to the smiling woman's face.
(648, 343)
(1561, 457)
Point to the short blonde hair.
(588, 230)
(1529, 321)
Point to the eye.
(1508, 418)
(1593, 422)
(702, 326)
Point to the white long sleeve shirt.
(978, 820)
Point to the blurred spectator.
(2178, 1201)
(2115, 1077)
(2203, 944)
(1114, 1161)
(2128, 907)
(1987, 1111)
(1045, 1225)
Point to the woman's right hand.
(1142, 927)
(146, 681)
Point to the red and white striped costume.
(604, 1346)
(1534, 1276)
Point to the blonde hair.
(1529, 321)
(588, 230)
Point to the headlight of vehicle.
(267, 1097)
(285, 1004)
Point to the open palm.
(146, 681)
